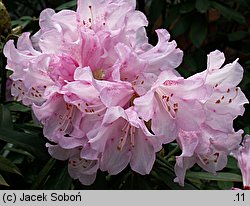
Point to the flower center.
(99, 74)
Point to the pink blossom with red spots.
(107, 99)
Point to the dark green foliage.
(198, 26)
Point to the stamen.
(66, 120)
(216, 157)
(166, 103)
(132, 136)
(91, 13)
(123, 138)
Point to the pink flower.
(208, 148)
(226, 100)
(108, 99)
(124, 139)
(173, 101)
(242, 154)
(83, 169)
(29, 71)
(75, 73)
(215, 139)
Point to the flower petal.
(143, 154)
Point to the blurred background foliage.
(198, 26)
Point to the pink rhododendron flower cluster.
(242, 154)
(108, 99)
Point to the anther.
(218, 101)
(169, 109)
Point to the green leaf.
(198, 31)
(134, 181)
(172, 15)
(225, 185)
(67, 5)
(43, 174)
(247, 128)
(59, 177)
(187, 7)
(182, 25)
(245, 48)
(30, 142)
(232, 163)
(168, 179)
(238, 35)
(17, 107)
(8, 166)
(23, 21)
(220, 176)
(164, 172)
(29, 128)
(155, 10)
(5, 117)
(200, 57)
(190, 62)
(3, 182)
(229, 13)
(202, 5)
(141, 183)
